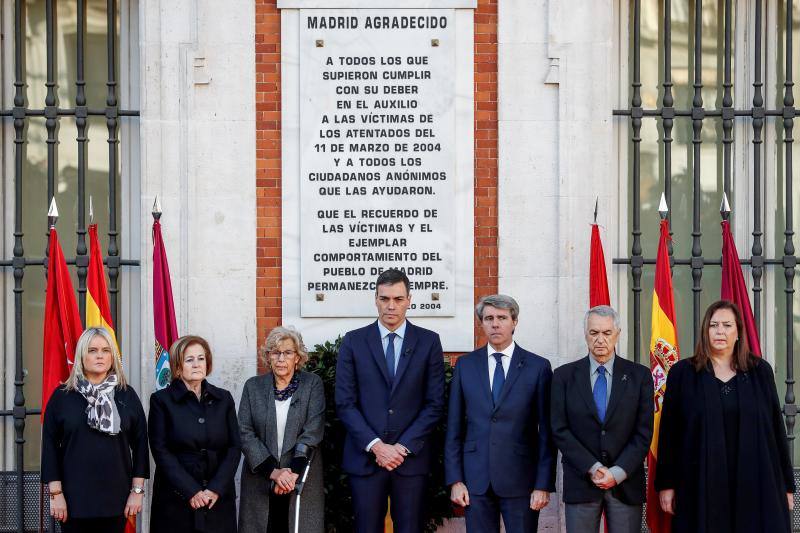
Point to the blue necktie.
(390, 354)
(600, 391)
(499, 377)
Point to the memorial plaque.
(377, 157)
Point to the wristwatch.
(136, 489)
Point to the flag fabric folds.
(164, 325)
(98, 310)
(663, 354)
(62, 322)
(734, 289)
(598, 280)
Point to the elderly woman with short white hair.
(281, 418)
(94, 442)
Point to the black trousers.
(278, 513)
(114, 524)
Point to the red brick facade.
(268, 159)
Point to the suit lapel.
(514, 370)
(619, 382)
(272, 418)
(406, 353)
(482, 372)
(376, 347)
(584, 386)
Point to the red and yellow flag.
(98, 310)
(663, 354)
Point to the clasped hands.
(284, 480)
(389, 456)
(459, 495)
(203, 498)
(603, 479)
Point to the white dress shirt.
(281, 413)
(506, 359)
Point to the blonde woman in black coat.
(94, 442)
(195, 442)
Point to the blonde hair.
(82, 350)
(178, 350)
(281, 334)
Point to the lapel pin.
(624, 377)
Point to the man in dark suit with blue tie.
(390, 397)
(499, 457)
(603, 423)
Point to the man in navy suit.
(499, 457)
(390, 397)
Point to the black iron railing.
(667, 115)
(20, 512)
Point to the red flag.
(664, 353)
(62, 322)
(598, 280)
(164, 325)
(734, 289)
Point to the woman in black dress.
(194, 436)
(723, 458)
(94, 442)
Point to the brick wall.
(268, 160)
(268, 167)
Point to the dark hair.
(178, 350)
(742, 359)
(390, 277)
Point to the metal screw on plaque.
(320, 297)
(320, 43)
(435, 296)
(434, 42)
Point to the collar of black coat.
(179, 391)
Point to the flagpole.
(52, 218)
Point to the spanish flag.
(98, 310)
(663, 354)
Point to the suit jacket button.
(391, 411)
(603, 432)
(494, 419)
(201, 420)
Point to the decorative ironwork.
(697, 113)
(19, 480)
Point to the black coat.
(95, 468)
(196, 446)
(622, 439)
(692, 458)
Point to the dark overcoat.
(196, 446)
(95, 469)
(305, 424)
(692, 458)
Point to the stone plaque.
(377, 157)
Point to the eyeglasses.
(277, 355)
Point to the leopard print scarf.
(101, 413)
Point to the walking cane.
(301, 450)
